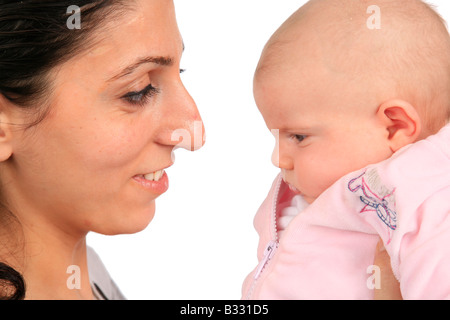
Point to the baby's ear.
(6, 131)
(402, 122)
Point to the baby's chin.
(309, 200)
(296, 191)
(307, 197)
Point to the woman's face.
(113, 114)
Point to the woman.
(87, 121)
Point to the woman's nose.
(191, 136)
(187, 130)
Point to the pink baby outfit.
(327, 250)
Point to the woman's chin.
(128, 223)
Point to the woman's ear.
(402, 122)
(6, 132)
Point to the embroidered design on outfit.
(373, 202)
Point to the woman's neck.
(57, 272)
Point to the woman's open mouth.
(156, 182)
(153, 176)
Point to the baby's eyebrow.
(294, 128)
(163, 61)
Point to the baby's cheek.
(312, 180)
(326, 175)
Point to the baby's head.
(344, 87)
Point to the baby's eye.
(299, 137)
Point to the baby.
(346, 85)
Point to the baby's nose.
(280, 158)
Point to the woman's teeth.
(154, 176)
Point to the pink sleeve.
(424, 266)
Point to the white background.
(201, 244)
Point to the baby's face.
(324, 125)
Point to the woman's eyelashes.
(140, 98)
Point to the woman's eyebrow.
(163, 61)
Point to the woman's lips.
(156, 182)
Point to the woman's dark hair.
(12, 285)
(35, 37)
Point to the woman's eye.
(141, 97)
